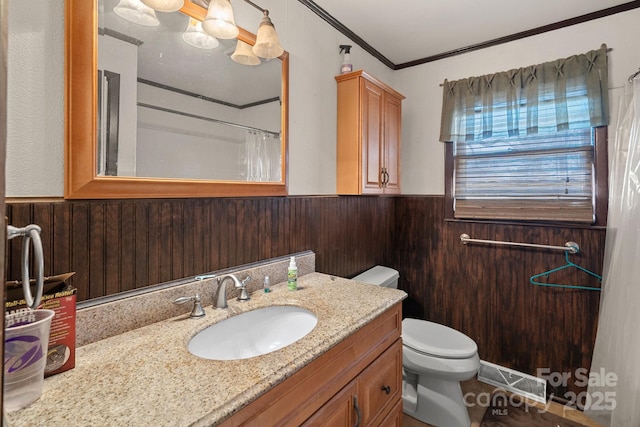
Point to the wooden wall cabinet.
(364, 369)
(369, 130)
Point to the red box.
(61, 298)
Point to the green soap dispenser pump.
(292, 275)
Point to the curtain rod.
(208, 119)
(609, 49)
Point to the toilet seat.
(437, 340)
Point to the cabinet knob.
(386, 389)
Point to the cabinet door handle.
(386, 389)
(357, 408)
(384, 175)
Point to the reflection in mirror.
(173, 104)
(150, 112)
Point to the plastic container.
(292, 275)
(346, 66)
(267, 284)
(26, 340)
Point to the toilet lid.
(437, 340)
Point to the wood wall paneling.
(483, 291)
(119, 245)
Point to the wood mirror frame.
(80, 180)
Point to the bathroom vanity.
(360, 378)
(347, 367)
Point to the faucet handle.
(197, 310)
(244, 295)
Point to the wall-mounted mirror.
(149, 115)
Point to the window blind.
(540, 177)
(524, 141)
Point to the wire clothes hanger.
(568, 264)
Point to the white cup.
(26, 340)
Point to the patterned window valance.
(556, 96)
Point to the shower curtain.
(613, 396)
(263, 156)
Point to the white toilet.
(435, 358)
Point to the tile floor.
(477, 412)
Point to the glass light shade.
(267, 43)
(137, 12)
(219, 21)
(244, 55)
(164, 5)
(195, 37)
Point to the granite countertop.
(148, 377)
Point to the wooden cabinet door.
(338, 411)
(372, 137)
(394, 418)
(368, 135)
(373, 398)
(380, 385)
(392, 131)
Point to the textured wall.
(484, 291)
(423, 154)
(36, 94)
(35, 118)
(120, 245)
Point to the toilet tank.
(379, 275)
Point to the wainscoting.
(484, 291)
(115, 246)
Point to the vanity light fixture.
(267, 42)
(244, 55)
(137, 12)
(219, 21)
(196, 37)
(164, 5)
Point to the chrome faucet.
(197, 310)
(220, 297)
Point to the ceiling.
(411, 32)
(404, 31)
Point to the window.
(529, 144)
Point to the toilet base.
(441, 405)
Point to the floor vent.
(516, 382)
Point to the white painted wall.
(423, 154)
(35, 98)
(36, 93)
(171, 145)
(122, 58)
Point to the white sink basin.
(253, 333)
